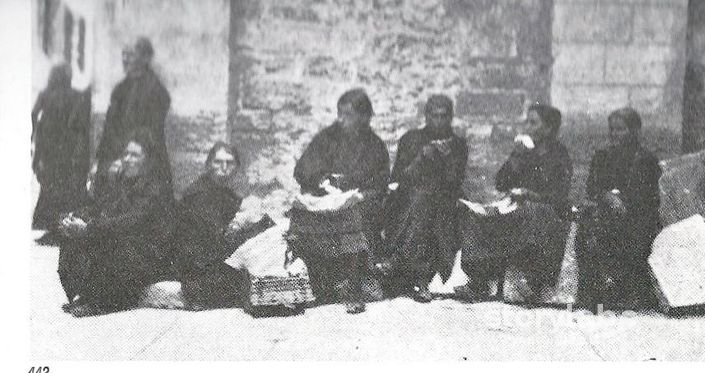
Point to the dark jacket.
(61, 121)
(206, 210)
(140, 102)
(439, 174)
(130, 229)
(546, 170)
(363, 160)
(635, 172)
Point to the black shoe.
(469, 294)
(88, 309)
(49, 238)
(354, 307)
(422, 295)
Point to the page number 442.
(39, 370)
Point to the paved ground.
(398, 329)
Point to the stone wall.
(190, 39)
(620, 52)
(291, 61)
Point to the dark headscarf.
(630, 117)
(439, 101)
(550, 116)
(358, 99)
(60, 77)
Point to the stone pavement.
(399, 330)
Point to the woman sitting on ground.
(205, 236)
(114, 247)
(623, 190)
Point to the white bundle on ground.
(265, 254)
(165, 294)
(457, 278)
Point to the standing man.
(430, 168)
(138, 101)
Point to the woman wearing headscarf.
(113, 248)
(430, 168)
(537, 178)
(348, 155)
(60, 121)
(623, 188)
(206, 210)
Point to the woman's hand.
(523, 194)
(72, 226)
(614, 202)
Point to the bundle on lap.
(349, 155)
(532, 238)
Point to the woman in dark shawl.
(532, 238)
(208, 206)
(117, 245)
(60, 120)
(616, 243)
(349, 155)
(422, 223)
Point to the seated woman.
(112, 248)
(623, 189)
(337, 248)
(207, 208)
(532, 238)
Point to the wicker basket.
(268, 291)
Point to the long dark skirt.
(425, 240)
(60, 192)
(110, 271)
(532, 239)
(613, 263)
(337, 264)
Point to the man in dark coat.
(623, 186)
(430, 169)
(351, 156)
(532, 238)
(114, 247)
(139, 101)
(60, 121)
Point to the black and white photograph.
(364, 180)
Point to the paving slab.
(398, 330)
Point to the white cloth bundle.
(265, 255)
(335, 200)
(458, 277)
(501, 207)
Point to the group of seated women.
(401, 230)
